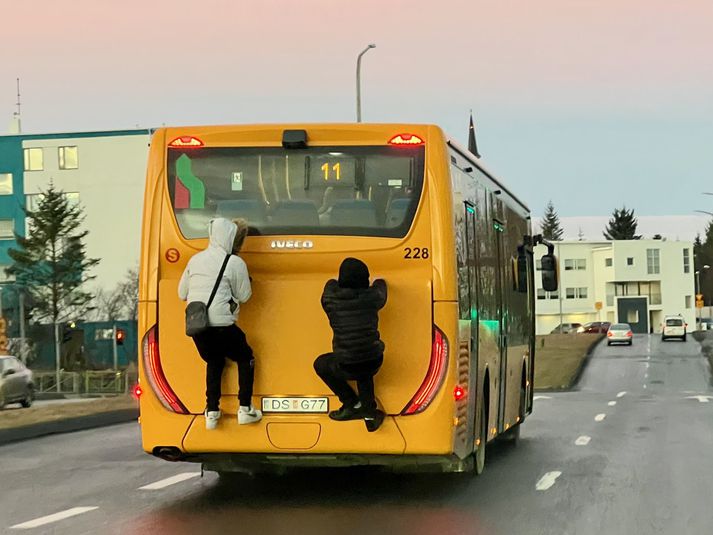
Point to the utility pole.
(358, 80)
(57, 353)
(560, 289)
(113, 345)
(21, 298)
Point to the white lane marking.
(611, 403)
(599, 417)
(541, 397)
(646, 375)
(647, 365)
(644, 386)
(583, 440)
(546, 481)
(701, 399)
(621, 394)
(56, 517)
(158, 485)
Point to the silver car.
(16, 384)
(619, 333)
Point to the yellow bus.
(452, 242)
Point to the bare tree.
(121, 303)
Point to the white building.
(630, 281)
(105, 172)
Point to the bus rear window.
(357, 191)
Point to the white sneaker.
(211, 419)
(248, 415)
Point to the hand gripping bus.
(452, 241)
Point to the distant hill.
(671, 227)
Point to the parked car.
(673, 327)
(16, 384)
(594, 327)
(620, 333)
(567, 328)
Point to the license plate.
(295, 404)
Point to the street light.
(698, 289)
(358, 80)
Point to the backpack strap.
(217, 281)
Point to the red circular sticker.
(172, 255)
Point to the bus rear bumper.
(280, 463)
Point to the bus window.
(362, 191)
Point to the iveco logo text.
(291, 244)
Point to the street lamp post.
(698, 290)
(358, 80)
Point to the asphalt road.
(627, 453)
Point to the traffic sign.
(598, 305)
(699, 297)
(699, 303)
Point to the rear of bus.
(313, 195)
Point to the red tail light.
(609, 333)
(405, 139)
(434, 376)
(629, 334)
(458, 393)
(186, 142)
(136, 391)
(155, 375)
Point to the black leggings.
(215, 345)
(335, 377)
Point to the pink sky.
(555, 70)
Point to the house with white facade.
(631, 281)
(104, 171)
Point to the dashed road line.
(646, 375)
(56, 517)
(162, 484)
(546, 481)
(701, 399)
(621, 394)
(583, 440)
(541, 397)
(599, 417)
(611, 403)
(647, 365)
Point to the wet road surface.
(628, 452)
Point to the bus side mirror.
(549, 273)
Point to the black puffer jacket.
(353, 315)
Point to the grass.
(559, 359)
(15, 416)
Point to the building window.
(576, 293)
(541, 294)
(630, 261)
(7, 227)
(608, 262)
(553, 295)
(68, 158)
(575, 264)
(652, 262)
(32, 201)
(610, 300)
(5, 183)
(34, 159)
(686, 261)
(688, 301)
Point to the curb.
(69, 425)
(580, 371)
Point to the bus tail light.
(186, 142)
(155, 375)
(458, 393)
(405, 139)
(434, 377)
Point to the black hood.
(354, 274)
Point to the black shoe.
(374, 420)
(345, 413)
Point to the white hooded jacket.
(202, 270)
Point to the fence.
(87, 382)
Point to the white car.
(673, 327)
(620, 333)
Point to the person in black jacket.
(357, 351)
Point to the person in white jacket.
(223, 338)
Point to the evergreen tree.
(550, 224)
(51, 262)
(622, 225)
(703, 256)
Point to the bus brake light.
(434, 376)
(405, 139)
(186, 142)
(458, 392)
(155, 375)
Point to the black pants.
(215, 345)
(335, 377)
